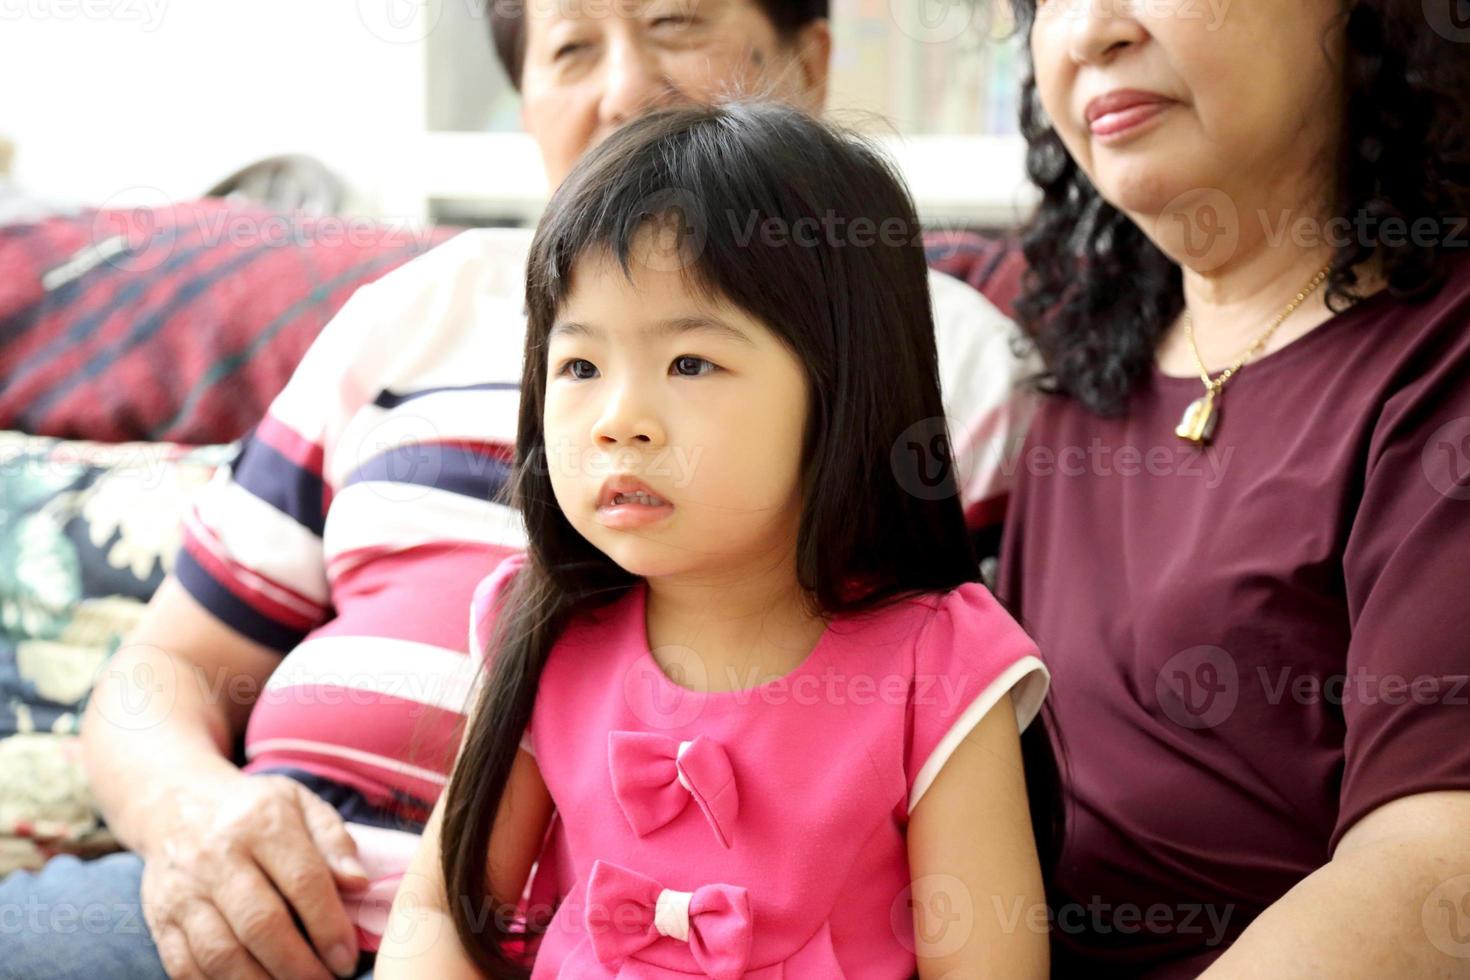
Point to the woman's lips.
(1112, 125)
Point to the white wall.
(142, 102)
(127, 99)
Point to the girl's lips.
(623, 517)
(1112, 125)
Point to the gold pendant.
(1199, 421)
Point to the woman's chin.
(1140, 185)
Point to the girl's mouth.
(633, 510)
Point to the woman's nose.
(633, 83)
(1098, 29)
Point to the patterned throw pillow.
(178, 323)
(87, 533)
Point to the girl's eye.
(580, 368)
(568, 49)
(689, 366)
(674, 21)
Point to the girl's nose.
(626, 422)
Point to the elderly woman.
(1241, 532)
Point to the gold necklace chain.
(1202, 416)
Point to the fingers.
(215, 949)
(246, 891)
(326, 827)
(231, 895)
(173, 951)
(305, 880)
(260, 921)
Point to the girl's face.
(695, 400)
(1248, 100)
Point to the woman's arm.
(420, 940)
(1392, 902)
(979, 905)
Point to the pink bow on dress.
(627, 911)
(654, 777)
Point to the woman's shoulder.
(1415, 353)
(1445, 308)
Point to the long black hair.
(854, 310)
(1404, 153)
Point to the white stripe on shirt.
(401, 669)
(407, 515)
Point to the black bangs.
(731, 198)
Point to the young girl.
(745, 658)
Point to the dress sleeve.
(483, 608)
(1405, 567)
(969, 655)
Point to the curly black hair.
(1404, 153)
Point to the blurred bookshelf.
(937, 87)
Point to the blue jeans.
(76, 918)
(82, 920)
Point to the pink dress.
(753, 833)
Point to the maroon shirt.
(1255, 644)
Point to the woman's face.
(695, 399)
(1246, 103)
(591, 65)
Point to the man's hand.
(226, 867)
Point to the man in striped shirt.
(320, 605)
